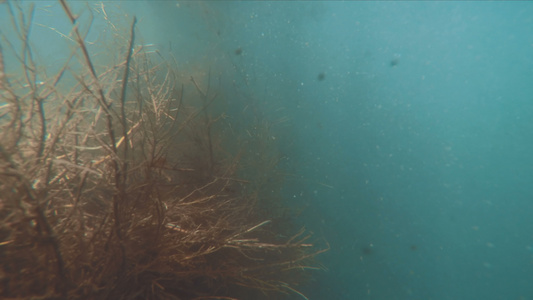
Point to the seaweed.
(125, 183)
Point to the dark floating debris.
(321, 76)
(396, 60)
(367, 250)
(238, 51)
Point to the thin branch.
(123, 104)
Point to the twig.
(294, 290)
(3, 80)
(206, 117)
(106, 107)
(123, 104)
(257, 226)
(101, 97)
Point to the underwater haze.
(411, 130)
(414, 128)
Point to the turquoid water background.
(411, 129)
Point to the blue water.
(430, 157)
(423, 126)
(412, 156)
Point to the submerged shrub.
(124, 182)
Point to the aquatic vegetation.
(121, 185)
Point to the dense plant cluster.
(124, 182)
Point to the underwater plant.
(122, 181)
